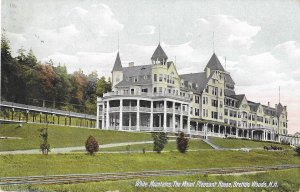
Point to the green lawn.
(242, 143)
(61, 136)
(288, 180)
(171, 146)
(22, 165)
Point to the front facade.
(155, 97)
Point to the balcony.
(158, 110)
(129, 108)
(142, 94)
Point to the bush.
(182, 143)
(298, 150)
(159, 141)
(91, 145)
(44, 146)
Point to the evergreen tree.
(160, 139)
(182, 143)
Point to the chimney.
(131, 64)
(207, 72)
(268, 103)
(276, 106)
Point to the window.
(135, 79)
(206, 89)
(221, 104)
(214, 103)
(215, 91)
(221, 92)
(197, 111)
(145, 90)
(155, 77)
(191, 110)
(214, 115)
(197, 99)
(160, 89)
(205, 100)
(155, 90)
(226, 112)
(160, 77)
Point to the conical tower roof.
(214, 63)
(159, 54)
(118, 64)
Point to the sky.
(260, 39)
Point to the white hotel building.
(155, 97)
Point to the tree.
(91, 145)
(182, 143)
(45, 146)
(160, 139)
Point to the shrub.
(298, 150)
(182, 143)
(159, 141)
(91, 145)
(44, 146)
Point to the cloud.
(237, 33)
(259, 76)
(147, 30)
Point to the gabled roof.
(136, 71)
(159, 54)
(118, 64)
(253, 106)
(199, 79)
(214, 63)
(239, 98)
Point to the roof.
(229, 92)
(118, 64)
(228, 79)
(279, 109)
(214, 63)
(159, 54)
(198, 79)
(239, 98)
(139, 71)
(253, 106)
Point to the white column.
(264, 136)
(205, 131)
(107, 115)
(121, 115)
(219, 129)
(97, 118)
(189, 120)
(138, 115)
(165, 115)
(151, 117)
(236, 132)
(103, 116)
(173, 117)
(181, 117)
(230, 131)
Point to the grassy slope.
(287, 181)
(171, 146)
(22, 165)
(61, 136)
(240, 143)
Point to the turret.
(117, 71)
(159, 56)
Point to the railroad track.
(82, 178)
